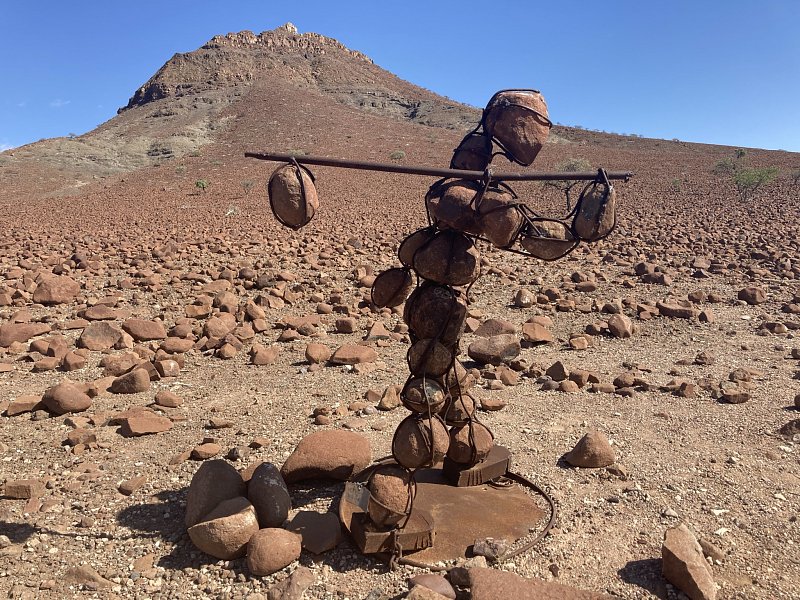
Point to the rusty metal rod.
(433, 172)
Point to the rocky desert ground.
(148, 326)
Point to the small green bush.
(201, 184)
(247, 185)
(748, 181)
(397, 155)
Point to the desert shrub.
(675, 185)
(748, 181)
(180, 169)
(247, 185)
(397, 155)
(201, 184)
(795, 178)
(726, 166)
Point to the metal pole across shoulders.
(433, 172)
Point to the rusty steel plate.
(457, 515)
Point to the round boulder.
(271, 550)
(226, 530)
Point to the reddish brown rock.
(23, 404)
(20, 332)
(620, 326)
(317, 353)
(752, 295)
(65, 397)
(435, 583)
(684, 565)
(536, 334)
(145, 422)
(677, 311)
(56, 290)
(262, 356)
(142, 330)
(320, 532)
(495, 350)
(23, 489)
(354, 354)
(133, 382)
(492, 327)
(327, 454)
(591, 451)
(100, 335)
(168, 399)
(272, 549)
(129, 486)
(225, 531)
(206, 450)
(214, 482)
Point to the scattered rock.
(23, 489)
(56, 290)
(354, 354)
(591, 451)
(435, 583)
(495, 350)
(133, 382)
(327, 454)
(684, 565)
(293, 587)
(129, 486)
(752, 295)
(65, 398)
(536, 334)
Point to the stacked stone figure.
(445, 261)
(439, 264)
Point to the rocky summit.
(648, 381)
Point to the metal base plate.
(459, 515)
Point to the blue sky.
(725, 72)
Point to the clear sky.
(715, 71)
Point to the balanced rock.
(268, 493)
(327, 454)
(272, 549)
(56, 290)
(591, 451)
(225, 531)
(684, 565)
(495, 350)
(65, 398)
(214, 482)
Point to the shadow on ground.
(645, 574)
